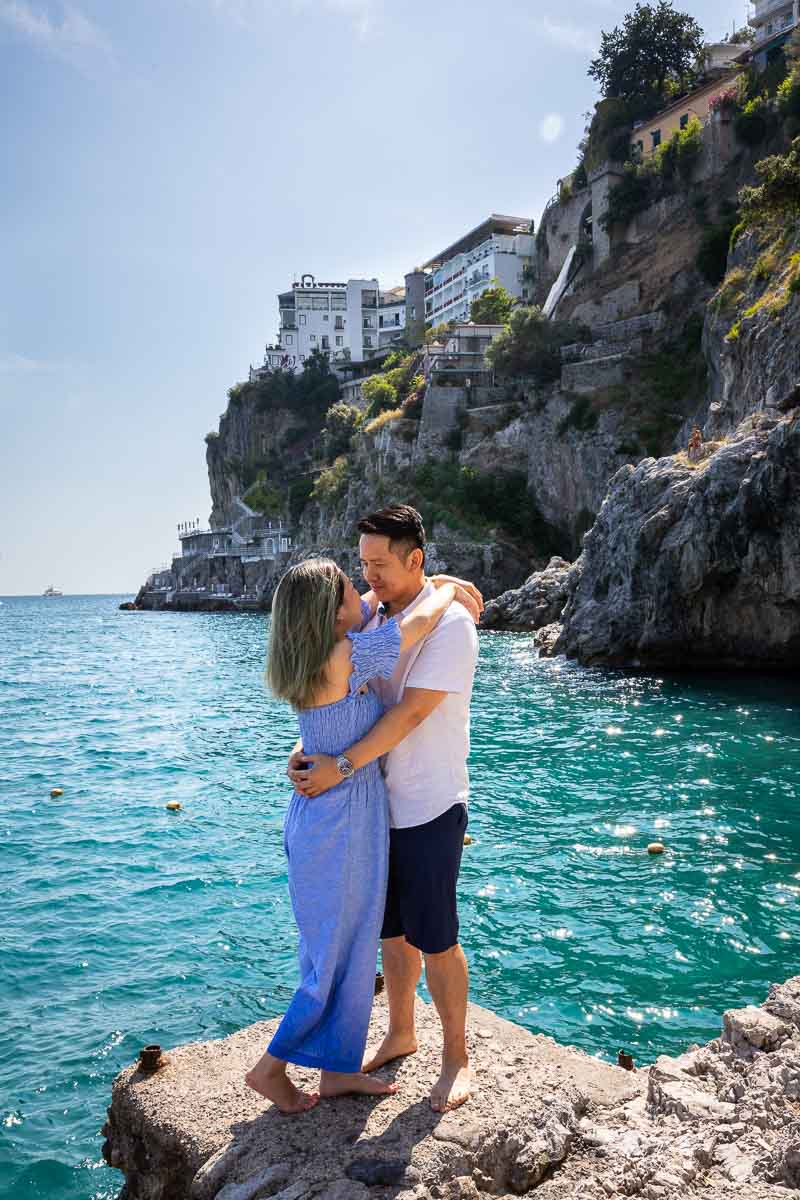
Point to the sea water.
(124, 923)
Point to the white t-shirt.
(427, 772)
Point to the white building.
(249, 536)
(773, 18)
(499, 251)
(391, 316)
(462, 356)
(339, 319)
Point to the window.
(397, 318)
(380, 322)
(413, 312)
(339, 323)
(325, 317)
(326, 342)
(302, 318)
(289, 339)
(313, 337)
(656, 136)
(367, 340)
(339, 341)
(684, 120)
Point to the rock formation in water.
(717, 1122)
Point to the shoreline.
(716, 1121)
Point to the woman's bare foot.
(334, 1083)
(268, 1077)
(393, 1046)
(453, 1088)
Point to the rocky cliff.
(693, 558)
(719, 1121)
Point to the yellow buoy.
(173, 805)
(56, 792)
(468, 841)
(656, 848)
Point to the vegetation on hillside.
(311, 392)
(642, 65)
(660, 174)
(654, 46)
(530, 347)
(493, 307)
(473, 503)
(392, 385)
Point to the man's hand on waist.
(322, 775)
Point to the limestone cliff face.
(696, 564)
(247, 435)
(381, 471)
(754, 359)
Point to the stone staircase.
(590, 366)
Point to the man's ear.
(415, 560)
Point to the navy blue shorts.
(424, 861)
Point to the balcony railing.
(768, 9)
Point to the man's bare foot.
(275, 1085)
(334, 1083)
(393, 1046)
(453, 1088)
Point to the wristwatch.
(344, 766)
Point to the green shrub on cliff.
(341, 422)
(754, 121)
(264, 498)
(778, 194)
(332, 483)
(311, 392)
(463, 498)
(389, 387)
(380, 395)
(644, 183)
(531, 346)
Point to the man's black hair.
(401, 523)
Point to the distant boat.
(51, 591)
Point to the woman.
(337, 846)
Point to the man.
(427, 699)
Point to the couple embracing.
(373, 852)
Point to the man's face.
(388, 574)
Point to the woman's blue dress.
(338, 851)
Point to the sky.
(168, 166)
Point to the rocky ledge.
(718, 1122)
(689, 563)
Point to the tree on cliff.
(493, 307)
(531, 346)
(778, 194)
(654, 45)
(341, 422)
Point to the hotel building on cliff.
(774, 19)
(501, 250)
(348, 322)
(773, 22)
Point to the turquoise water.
(125, 924)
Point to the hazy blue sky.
(168, 166)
